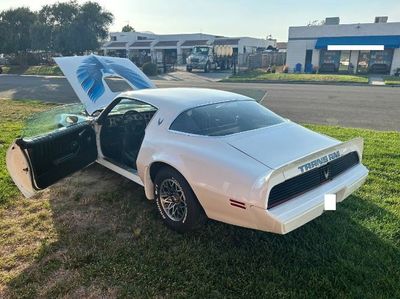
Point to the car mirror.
(71, 119)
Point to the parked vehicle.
(208, 58)
(199, 153)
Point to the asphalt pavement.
(371, 107)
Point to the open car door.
(34, 163)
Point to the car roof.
(180, 99)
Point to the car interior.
(123, 130)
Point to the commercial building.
(345, 48)
(174, 48)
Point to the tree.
(41, 36)
(93, 22)
(65, 27)
(128, 28)
(15, 27)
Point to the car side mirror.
(71, 119)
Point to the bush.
(150, 69)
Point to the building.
(345, 48)
(281, 46)
(141, 47)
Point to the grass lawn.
(260, 75)
(95, 235)
(44, 70)
(392, 80)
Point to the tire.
(189, 214)
(207, 67)
(189, 69)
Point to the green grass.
(260, 75)
(44, 70)
(95, 235)
(12, 116)
(392, 80)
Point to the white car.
(200, 153)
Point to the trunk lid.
(278, 145)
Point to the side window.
(58, 118)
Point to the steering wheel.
(134, 125)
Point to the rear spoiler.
(291, 169)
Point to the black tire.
(194, 217)
(189, 69)
(207, 67)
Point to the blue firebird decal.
(93, 69)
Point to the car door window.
(56, 119)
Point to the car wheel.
(207, 67)
(189, 69)
(176, 201)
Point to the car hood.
(275, 146)
(86, 75)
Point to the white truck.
(210, 58)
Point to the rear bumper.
(296, 212)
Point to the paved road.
(351, 106)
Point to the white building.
(174, 48)
(345, 48)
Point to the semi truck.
(208, 58)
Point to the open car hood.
(86, 75)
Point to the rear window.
(225, 118)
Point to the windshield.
(225, 118)
(200, 50)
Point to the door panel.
(60, 153)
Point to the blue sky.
(257, 18)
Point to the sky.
(255, 18)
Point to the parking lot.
(369, 107)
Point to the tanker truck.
(208, 58)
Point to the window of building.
(381, 61)
(344, 61)
(113, 38)
(363, 62)
(329, 61)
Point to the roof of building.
(141, 43)
(116, 45)
(281, 45)
(191, 43)
(166, 43)
(227, 41)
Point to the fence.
(263, 60)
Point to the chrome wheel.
(172, 199)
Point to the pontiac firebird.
(199, 153)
